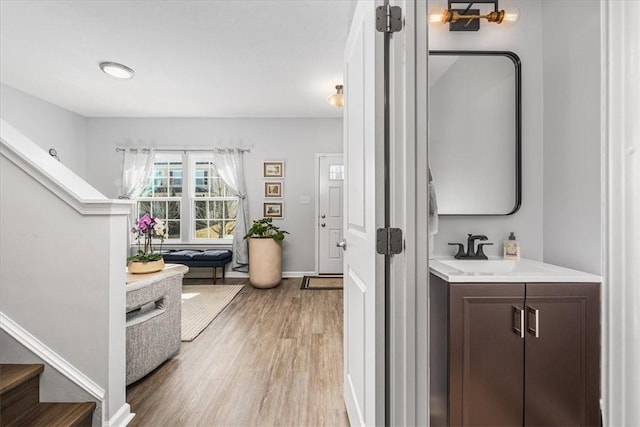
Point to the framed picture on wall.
(273, 169)
(273, 190)
(273, 209)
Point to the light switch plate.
(305, 200)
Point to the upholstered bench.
(195, 259)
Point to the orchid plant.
(145, 230)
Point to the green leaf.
(143, 257)
(264, 228)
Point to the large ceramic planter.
(137, 267)
(265, 262)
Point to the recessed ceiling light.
(116, 70)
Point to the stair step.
(11, 376)
(19, 401)
(56, 415)
(19, 390)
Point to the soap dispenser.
(511, 247)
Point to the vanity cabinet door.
(486, 354)
(562, 355)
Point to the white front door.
(330, 180)
(364, 301)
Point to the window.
(186, 192)
(214, 207)
(162, 196)
(336, 172)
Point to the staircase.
(20, 401)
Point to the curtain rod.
(180, 150)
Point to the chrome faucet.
(471, 252)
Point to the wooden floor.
(271, 358)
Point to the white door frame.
(621, 212)
(317, 210)
(408, 305)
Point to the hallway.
(272, 357)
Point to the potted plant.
(147, 260)
(265, 253)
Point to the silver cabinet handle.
(342, 244)
(535, 329)
(323, 225)
(518, 324)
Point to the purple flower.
(145, 223)
(146, 219)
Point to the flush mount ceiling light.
(468, 19)
(337, 99)
(116, 70)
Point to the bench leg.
(214, 275)
(223, 269)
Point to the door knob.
(342, 244)
(323, 216)
(323, 225)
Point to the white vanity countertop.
(500, 270)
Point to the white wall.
(47, 125)
(293, 140)
(65, 266)
(525, 39)
(572, 180)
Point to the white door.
(330, 180)
(364, 323)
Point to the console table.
(153, 319)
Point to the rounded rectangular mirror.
(475, 131)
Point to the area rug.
(322, 282)
(201, 304)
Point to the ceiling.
(227, 58)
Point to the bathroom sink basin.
(505, 271)
(498, 266)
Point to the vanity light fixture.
(337, 99)
(116, 70)
(468, 19)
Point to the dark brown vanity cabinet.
(514, 354)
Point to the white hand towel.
(433, 214)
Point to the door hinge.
(389, 241)
(388, 19)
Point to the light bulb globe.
(511, 16)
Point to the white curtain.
(230, 168)
(136, 167)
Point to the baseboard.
(285, 274)
(241, 275)
(51, 358)
(122, 418)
